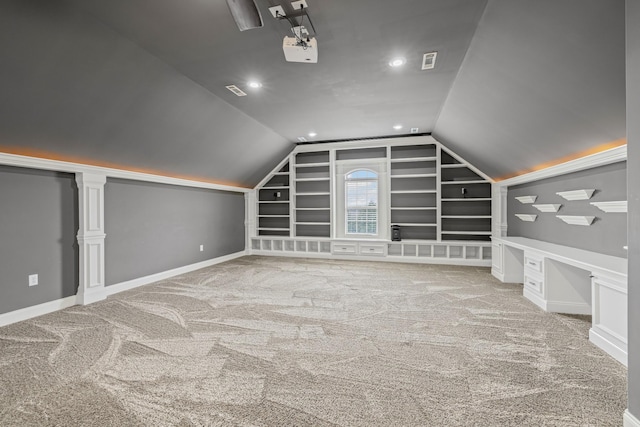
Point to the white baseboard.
(535, 299)
(377, 258)
(51, 306)
(141, 281)
(568, 308)
(497, 274)
(608, 346)
(36, 310)
(630, 420)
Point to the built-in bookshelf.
(274, 204)
(441, 203)
(465, 201)
(312, 207)
(414, 188)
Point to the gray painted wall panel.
(608, 233)
(633, 135)
(38, 225)
(153, 228)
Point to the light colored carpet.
(284, 342)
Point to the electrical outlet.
(33, 279)
(201, 248)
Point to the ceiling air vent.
(429, 60)
(302, 139)
(236, 90)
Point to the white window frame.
(369, 179)
(342, 169)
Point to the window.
(361, 202)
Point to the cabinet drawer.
(344, 248)
(368, 249)
(532, 284)
(533, 264)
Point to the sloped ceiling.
(141, 83)
(541, 80)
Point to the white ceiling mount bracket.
(429, 60)
(298, 5)
(277, 12)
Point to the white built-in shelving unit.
(441, 203)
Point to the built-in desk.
(561, 279)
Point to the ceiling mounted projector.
(296, 50)
(245, 13)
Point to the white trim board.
(146, 280)
(60, 304)
(36, 310)
(614, 155)
(630, 420)
(62, 166)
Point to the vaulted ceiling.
(140, 84)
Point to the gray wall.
(608, 233)
(38, 225)
(153, 228)
(633, 135)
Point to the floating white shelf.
(527, 217)
(526, 199)
(610, 207)
(577, 220)
(577, 194)
(453, 166)
(547, 208)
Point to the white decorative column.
(250, 218)
(91, 237)
(499, 210)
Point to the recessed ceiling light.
(255, 85)
(397, 62)
(313, 134)
(397, 127)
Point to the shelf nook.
(527, 217)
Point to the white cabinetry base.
(469, 253)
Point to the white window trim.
(375, 179)
(378, 166)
